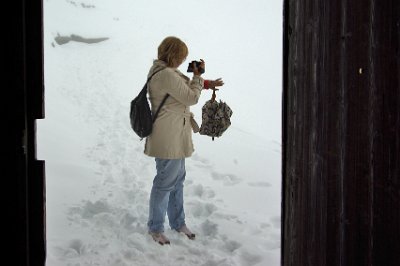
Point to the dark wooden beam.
(341, 133)
(23, 100)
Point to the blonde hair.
(172, 51)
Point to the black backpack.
(140, 113)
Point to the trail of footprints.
(120, 213)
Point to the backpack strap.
(163, 101)
(159, 108)
(154, 74)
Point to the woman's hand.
(216, 83)
(196, 70)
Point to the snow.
(98, 179)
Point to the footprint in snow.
(228, 217)
(209, 228)
(136, 241)
(227, 179)
(201, 192)
(273, 244)
(199, 209)
(89, 209)
(230, 245)
(73, 249)
(201, 162)
(249, 259)
(265, 225)
(259, 184)
(276, 221)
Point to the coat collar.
(157, 64)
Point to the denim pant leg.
(176, 213)
(164, 182)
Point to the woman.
(171, 139)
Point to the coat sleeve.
(176, 86)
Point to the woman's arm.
(213, 83)
(176, 86)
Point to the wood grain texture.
(341, 124)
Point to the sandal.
(160, 238)
(187, 232)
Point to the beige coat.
(171, 137)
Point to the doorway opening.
(96, 58)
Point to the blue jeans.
(167, 195)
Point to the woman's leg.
(176, 213)
(163, 183)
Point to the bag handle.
(214, 95)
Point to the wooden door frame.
(340, 133)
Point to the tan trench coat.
(171, 137)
